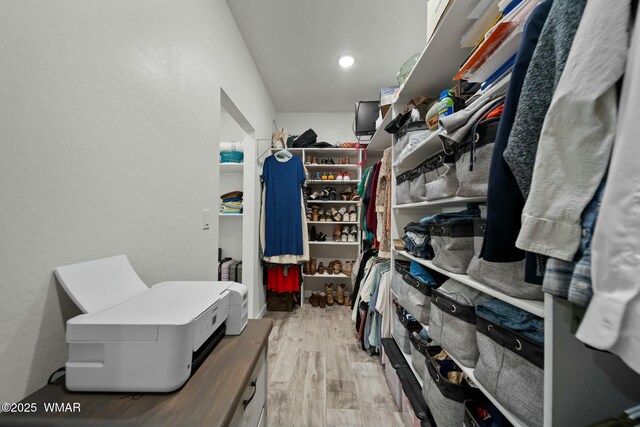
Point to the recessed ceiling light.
(346, 61)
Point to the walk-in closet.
(363, 213)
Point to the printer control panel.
(210, 320)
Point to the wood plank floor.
(318, 376)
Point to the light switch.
(206, 219)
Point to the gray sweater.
(546, 67)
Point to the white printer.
(135, 338)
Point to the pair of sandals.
(329, 193)
(345, 234)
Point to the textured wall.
(109, 116)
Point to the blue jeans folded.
(511, 317)
(472, 211)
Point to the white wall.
(109, 115)
(330, 127)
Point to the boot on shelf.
(337, 266)
(314, 299)
(340, 294)
(320, 268)
(328, 290)
(312, 266)
(322, 300)
(330, 267)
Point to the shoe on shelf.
(330, 267)
(306, 267)
(346, 176)
(348, 267)
(322, 237)
(345, 234)
(323, 161)
(339, 177)
(331, 161)
(352, 238)
(331, 177)
(314, 299)
(347, 160)
(321, 215)
(313, 235)
(320, 268)
(317, 177)
(353, 213)
(312, 267)
(353, 230)
(341, 161)
(337, 266)
(337, 234)
(314, 160)
(324, 176)
(355, 197)
(322, 300)
(333, 195)
(340, 294)
(324, 195)
(309, 214)
(328, 290)
(336, 215)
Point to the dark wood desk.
(209, 398)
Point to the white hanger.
(283, 154)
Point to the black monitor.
(366, 116)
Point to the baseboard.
(262, 312)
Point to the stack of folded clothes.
(231, 203)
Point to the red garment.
(278, 282)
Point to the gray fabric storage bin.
(443, 181)
(414, 295)
(452, 244)
(417, 189)
(419, 353)
(507, 277)
(473, 159)
(511, 368)
(397, 283)
(445, 399)
(403, 193)
(453, 320)
(409, 136)
(479, 227)
(401, 329)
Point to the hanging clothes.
(612, 318)
(578, 132)
(283, 279)
(283, 182)
(383, 205)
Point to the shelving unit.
(574, 374)
(330, 250)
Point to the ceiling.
(296, 45)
